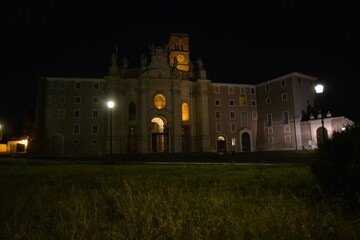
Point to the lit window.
(243, 100)
(233, 142)
(185, 112)
(159, 101)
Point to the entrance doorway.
(320, 134)
(245, 142)
(159, 135)
(221, 144)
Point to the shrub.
(336, 162)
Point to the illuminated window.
(185, 112)
(159, 101)
(233, 142)
(243, 101)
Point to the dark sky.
(246, 43)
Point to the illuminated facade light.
(110, 104)
(319, 88)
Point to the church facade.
(169, 105)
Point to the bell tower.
(179, 50)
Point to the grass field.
(54, 200)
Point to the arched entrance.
(159, 135)
(319, 134)
(56, 146)
(221, 144)
(245, 142)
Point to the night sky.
(247, 43)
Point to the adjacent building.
(169, 105)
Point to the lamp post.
(110, 105)
(319, 89)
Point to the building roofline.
(234, 84)
(293, 74)
(73, 79)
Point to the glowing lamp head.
(110, 104)
(319, 88)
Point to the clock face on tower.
(180, 58)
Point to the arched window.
(244, 118)
(243, 101)
(185, 111)
(132, 111)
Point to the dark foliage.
(336, 162)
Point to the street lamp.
(110, 105)
(319, 89)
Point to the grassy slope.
(95, 201)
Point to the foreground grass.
(95, 201)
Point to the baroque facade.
(169, 105)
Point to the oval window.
(159, 101)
